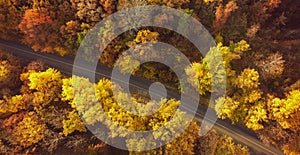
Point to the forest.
(259, 41)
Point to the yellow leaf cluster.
(248, 79)
(246, 103)
(241, 47)
(226, 146)
(256, 115)
(282, 110)
(185, 143)
(127, 63)
(13, 104)
(140, 146)
(91, 98)
(73, 123)
(170, 3)
(199, 76)
(40, 81)
(47, 85)
(215, 64)
(225, 108)
(29, 131)
(251, 96)
(146, 35)
(4, 71)
(210, 1)
(67, 91)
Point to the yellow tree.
(212, 65)
(199, 76)
(29, 131)
(89, 106)
(226, 146)
(138, 53)
(214, 144)
(245, 105)
(256, 115)
(185, 143)
(46, 86)
(12, 104)
(146, 35)
(9, 71)
(73, 123)
(5, 72)
(170, 3)
(286, 111)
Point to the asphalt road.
(65, 64)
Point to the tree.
(46, 86)
(272, 66)
(109, 6)
(199, 76)
(29, 131)
(185, 143)
(126, 64)
(41, 24)
(113, 106)
(245, 104)
(73, 123)
(70, 32)
(216, 63)
(248, 79)
(228, 108)
(10, 69)
(286, 111)
(36, 25)
(222, 14)
(8, 28)
(145, 36)
(93, 11)
(256, 115)
(215, 144)
(12, 104)
(292, 146)
(171, 3)
(225, 145)
(5, 73)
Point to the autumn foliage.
(258, 42)
(34, 25)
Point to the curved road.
(65, 64)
